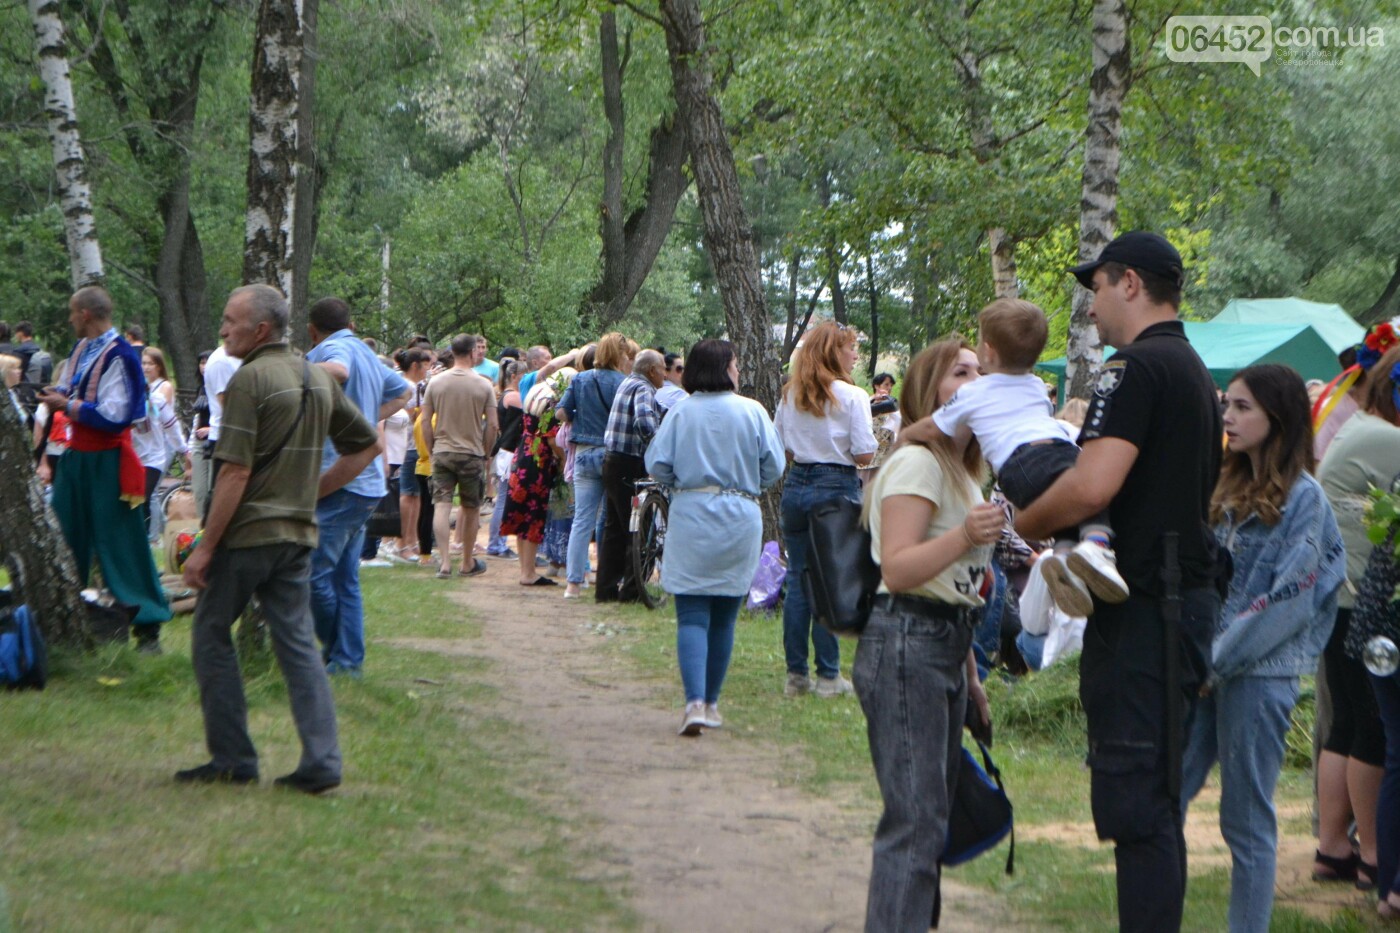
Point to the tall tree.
(272, 146)
(727, 234)
(149, 59)
(631, 241)
(305, 215)
(1098, 206)
(79, 228)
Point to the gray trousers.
(910, 676)
(279, 575)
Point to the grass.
(443, 821)
(1039, 748)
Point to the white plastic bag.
(1064, 634)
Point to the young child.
(1007, 410)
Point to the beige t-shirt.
(460, 400)
(914, 471)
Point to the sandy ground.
(702, 831)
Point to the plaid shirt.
(634, 418)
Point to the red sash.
(131, 475)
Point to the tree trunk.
(1387, 305)
(1098, 205)
(611, 220)
(31, 542)
(728, 235)
(309, 175)
(1003, 250)
(874, 315)
(169, 98)
(272, 143)
(79, 228)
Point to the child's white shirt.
(1002, 412)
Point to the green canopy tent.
(1228, 348)
(1331, 322)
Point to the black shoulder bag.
(841, 577)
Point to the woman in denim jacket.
(1273, 517)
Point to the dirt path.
(707, 838)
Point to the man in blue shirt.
(377, 392)
(487, 367)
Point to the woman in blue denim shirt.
(824, 422)
(914, 673)
(1273, 517)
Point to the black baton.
(1171, 640)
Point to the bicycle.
(650, 504)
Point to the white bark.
(272, 146)
(75, 197)
(1098, 206)
(1003, 250)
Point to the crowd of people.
(1211, 548)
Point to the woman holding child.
(1289, 563)
(914, 673)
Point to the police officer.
(1151, 454)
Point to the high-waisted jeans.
(910, 676)
(807, 485)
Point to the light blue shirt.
(369, 385)
(713, 539)
(488, 368)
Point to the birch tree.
(79, 228)
(272, 147)
(1098, 205)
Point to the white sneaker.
(713, 720)
(1070, 594)
(376, 562)
(837, 686)
(1097, 566)
(694, 719)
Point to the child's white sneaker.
(1070, 594)
(1097, 566)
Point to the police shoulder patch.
(1110, 377)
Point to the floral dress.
(533, 477)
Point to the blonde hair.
(8, 365)
(817, 366)
(613, 351)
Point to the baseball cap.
(1147, 252)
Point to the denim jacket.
(1283, 597)
(587, 402)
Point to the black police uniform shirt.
(1157, 395)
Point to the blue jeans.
(1387, 691)
(336, 605)
(588, 509)
(910, 676)
(704, 642)
(1032, 648)
(807, 485)
(1242, 725)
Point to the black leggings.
(1355, 731)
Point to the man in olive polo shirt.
(259, 536)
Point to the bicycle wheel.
(647, 545)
